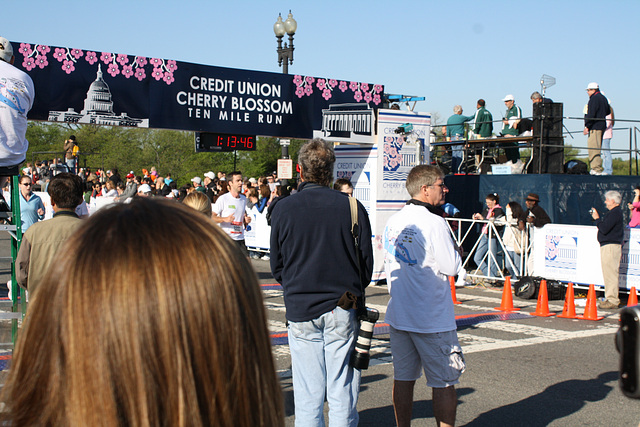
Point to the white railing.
(462, 230)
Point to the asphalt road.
(521, 371)
(524, 371)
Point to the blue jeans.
(457, 152)
(71, 165)
(513, 271)
(320, 353)
(483, 246)
(607, 159)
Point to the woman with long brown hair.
(169, 337)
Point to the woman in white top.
(514, 237)
(110, 190)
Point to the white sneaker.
(593, 172)
(266, 258)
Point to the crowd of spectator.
(110, 183)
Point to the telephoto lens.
(360, 356)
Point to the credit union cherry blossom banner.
(84, 86)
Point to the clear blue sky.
(451, 52)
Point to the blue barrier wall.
(566, 198)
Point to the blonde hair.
(198, 201)
(169, 337)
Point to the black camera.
(405, 128)
(627, 343)
(360, 356)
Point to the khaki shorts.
(438, 354)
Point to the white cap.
(197, 180)
(593, 85)
(509, 98)
(144, 188)
(6, 50)
(210, 175)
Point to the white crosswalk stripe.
(472, 343)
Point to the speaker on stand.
(548, 143)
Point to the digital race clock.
(217, 142)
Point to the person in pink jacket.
(635, 209)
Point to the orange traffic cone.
(452, 282)
(542, 308)
(633, 297)
(591, 309)
(507, 298)
(569, 310)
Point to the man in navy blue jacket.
(595, 125)
(610, 235)
(313, 256)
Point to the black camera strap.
(355, 232)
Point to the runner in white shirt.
(229, 211)
(16, 99)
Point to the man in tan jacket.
(43, 240)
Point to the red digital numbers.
(227, 142)
(247, 142)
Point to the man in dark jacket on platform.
(610, 235)
(314, 257)
(595, 125)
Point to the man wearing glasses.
(31, 206)
(41, 243)
(419, 257)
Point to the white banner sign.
(571, 253)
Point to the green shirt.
(514, 111)
(484, 123)
(455, 124)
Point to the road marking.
(474, 344)
(276, 326)
(471, 343)
(272, 292)
(274, 306)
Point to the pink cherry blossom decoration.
(68, 66)
(113, 69)
(60, 54)
(91, 57)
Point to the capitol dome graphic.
(98, 108)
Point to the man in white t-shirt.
(419, 255)
(16, 99)
(229, 211)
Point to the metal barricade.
(462, 231)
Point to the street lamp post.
(285, 54)
(285, 57)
